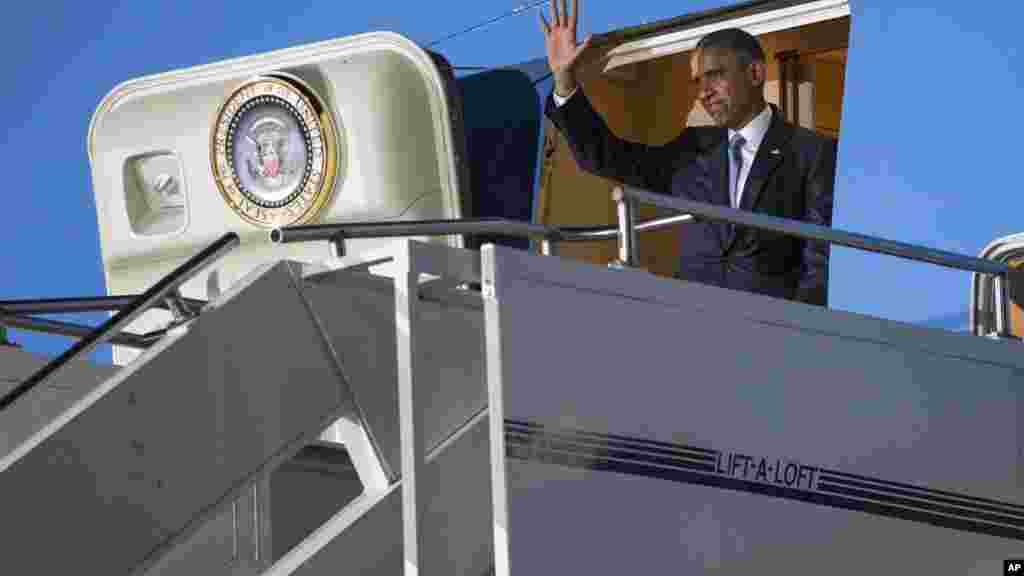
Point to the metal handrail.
(625, 231)
(815, 232)
(1009, 280)
(75, 305)
(166, 286)
(336, 232)
(513, 228)
(76, 330)
(691, 211)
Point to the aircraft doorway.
(638, 79)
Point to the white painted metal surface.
(399, 157)
(414, 352)
(676, 424)
(43, 405)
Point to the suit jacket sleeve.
(598, 151)
(813, 285)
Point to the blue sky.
(928, 126)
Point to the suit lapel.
(769, 156)
(720, 191)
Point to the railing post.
(337, 246)
(410, 416)
(177, 306)
(1002, 305)
(625, 208)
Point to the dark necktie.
(736, 149)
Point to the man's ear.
(758, 72)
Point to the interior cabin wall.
(830, 76)
(651, 102)
(821, 51)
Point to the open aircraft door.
(366, 127)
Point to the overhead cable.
(521, 9)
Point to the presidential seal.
(273, 152)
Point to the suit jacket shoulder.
(707, 138)
(599, 151)
(805, 139)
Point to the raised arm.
(595, 148)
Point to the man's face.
(728, 91)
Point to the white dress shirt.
(753, 133)
(559, 100)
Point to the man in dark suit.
(752, 159)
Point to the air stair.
(148, 469)
(437, 410)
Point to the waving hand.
(560, 41)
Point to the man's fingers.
(543, 23)
(574, 17)
(565, 14)
(554, 12)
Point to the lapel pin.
(776, 151)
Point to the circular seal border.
(319, 133)
(306, 136)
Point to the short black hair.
(741, 43)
